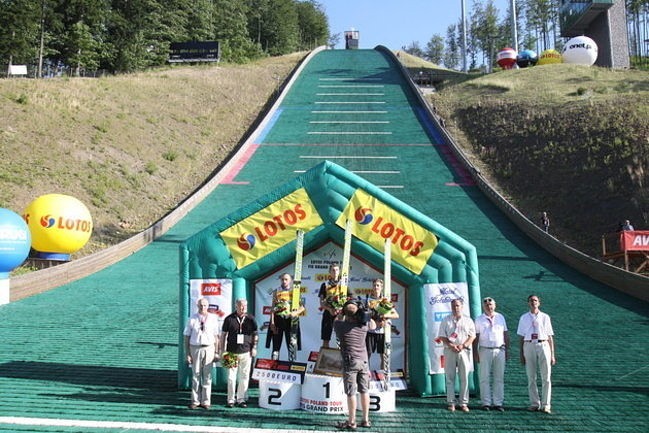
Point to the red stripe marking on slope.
(238, 166)
(458, 168)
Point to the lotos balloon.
(58, 224)
(549, 57)
(526, 58)
(506, 58)
(580, 50)
(15, 241)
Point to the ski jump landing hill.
(106, 339)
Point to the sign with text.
(197, 51)
(279, 371)
(218, 292)
(636, 240)
(271, 228)
(374, 222)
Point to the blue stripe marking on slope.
(431, 129)
(269, 126)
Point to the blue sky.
(396, 23)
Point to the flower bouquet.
(383, 307)
(337, 302)
(282, 308)
(229, 360)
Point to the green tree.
(486, 30)
(415, 49)
(435, 49)
(452, 52)
(78, 31)
(19, 31)
(279, 35)
(542, 18)
(231, 30)
(313, 26)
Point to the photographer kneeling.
(351, 328)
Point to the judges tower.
(351, 39)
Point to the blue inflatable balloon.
(526, 58)
(15, 241)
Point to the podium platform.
(279, 396)
(382, 401)
(323, 394)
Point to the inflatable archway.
(434, 264)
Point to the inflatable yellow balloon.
(58, 223)
(549, 57)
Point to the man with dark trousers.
(239, 337)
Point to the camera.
(363, 314)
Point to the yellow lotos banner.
(374, 222)
(271, 228)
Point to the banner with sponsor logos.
(218, 292)
(635, 240)
(315, 272)
(438, 306)
(271, 228)
(374, 222)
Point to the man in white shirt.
(201, 346)
(537, 353)
(457, 332)
(492, 344)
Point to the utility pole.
(514, 30)
(464, 60)
(39, 74)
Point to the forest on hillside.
(80, 37)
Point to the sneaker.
(192, 406)
(487, 408)
(274, 356)
(533, 409)
(499, 408)
(230, 405)
(451, 407)
(546, 410)
(205, 406)
(464, 408)
(242, 404)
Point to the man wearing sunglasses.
(492, 344)
(201, 345)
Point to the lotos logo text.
(62, 223)
(398, 235)
(281, 222)
(363, 216)
(411, 244)
(270, 228)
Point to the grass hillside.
(566, 139)
(130, 147)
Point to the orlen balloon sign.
(506, 58)
(58, 223)
(15, 241)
